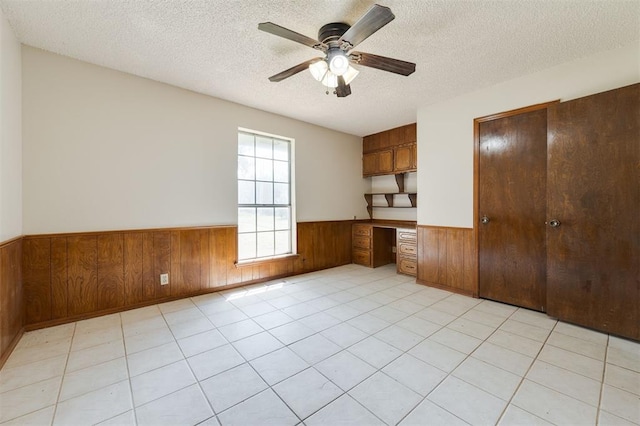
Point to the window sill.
(247, 263)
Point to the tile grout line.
(269, 387)
(604, 374)
(450, 373)
(515, 392)
(126, 360)
(64, 372)
(312, 287)
(175, 341)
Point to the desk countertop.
(398, 224)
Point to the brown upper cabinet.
(390, 152)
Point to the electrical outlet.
(393, 249)
(164, 279)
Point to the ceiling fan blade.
(375, 18)
(283, 32)
(343, 90)
(293, 70)
(383, 63)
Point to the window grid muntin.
(276, 231)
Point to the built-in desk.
(373, 244)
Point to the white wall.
(10, 133)
(445, 130)
(106, 150)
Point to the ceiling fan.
(336, 40)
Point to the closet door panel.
(593, 255)
(512, 199)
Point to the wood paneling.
(218, 257)
(37, 279)
(82, 274)
(446, 259)
(11, 297)
(162, 263)
(323, 245)
(73, 276)
(133, 268)
(59, 266)
(111, 290)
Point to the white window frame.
(292, 192)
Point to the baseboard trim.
(14, 342)
(447, 288)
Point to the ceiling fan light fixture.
(319, 69)
(338, 62)
(350, 74)
(330, 80)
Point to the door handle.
(484, 219)
(554, 223)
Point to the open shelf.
(389, 196)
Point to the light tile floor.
(348, 345)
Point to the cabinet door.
(594, 192)
(402, 159)
(384, 140)
(396, 136)
(385, 161)
(369, 164)
(414, 156)
(411, 133)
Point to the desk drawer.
(361, 230)
(362, 257)
(407, 266)
(362, 242)
(407, 249)
(407, 235)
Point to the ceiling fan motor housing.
(332, 32)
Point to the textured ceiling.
(214, 47)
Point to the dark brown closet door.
(594, 192)
(512, 201)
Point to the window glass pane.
(281, 171)
(265, 219)
(280, 150)
(264, 169)
(246, 192)
(245, 144)
(264, 147)
(283, 242)
(280, 193)
(247, 219)
(264, 196)
(264, 193)
(282, 217)
(265, 244)
(246, 168)
(246, 246)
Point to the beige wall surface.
(106, 150)
(445, 130)
(10, 133)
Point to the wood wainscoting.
(11, 296)
(74, 276)
(447, 259)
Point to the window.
(264, 196)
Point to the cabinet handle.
(485, 220)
